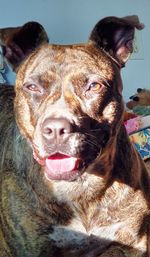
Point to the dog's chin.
(61, 167)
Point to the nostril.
(47, 131)
(63, 131)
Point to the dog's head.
(68, 101)
(18, 42)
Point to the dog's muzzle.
(65, 149)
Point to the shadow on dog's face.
(68, 99)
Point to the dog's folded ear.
(17, 43)
(116, 36)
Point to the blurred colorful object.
(141, 140)
(142, 110)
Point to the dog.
(72, 184)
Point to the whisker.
(92, 143)
(98, 129)
(91, 135)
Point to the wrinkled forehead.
(61, 60)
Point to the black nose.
(56, 129)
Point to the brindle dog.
(86, 192)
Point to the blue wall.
(69, 21)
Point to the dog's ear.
(17, 43)
(116, 35)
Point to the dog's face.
(68, 100)
(68, 105)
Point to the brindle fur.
(102, 212)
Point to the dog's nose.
(56, 129)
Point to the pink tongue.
(60, 163)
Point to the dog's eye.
(33, 87)
(95, 86)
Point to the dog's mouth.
(72, 156)
(60, 166)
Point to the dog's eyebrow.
(83, 79)
(45, 80)
(100, 78)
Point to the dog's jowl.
(71, 182)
